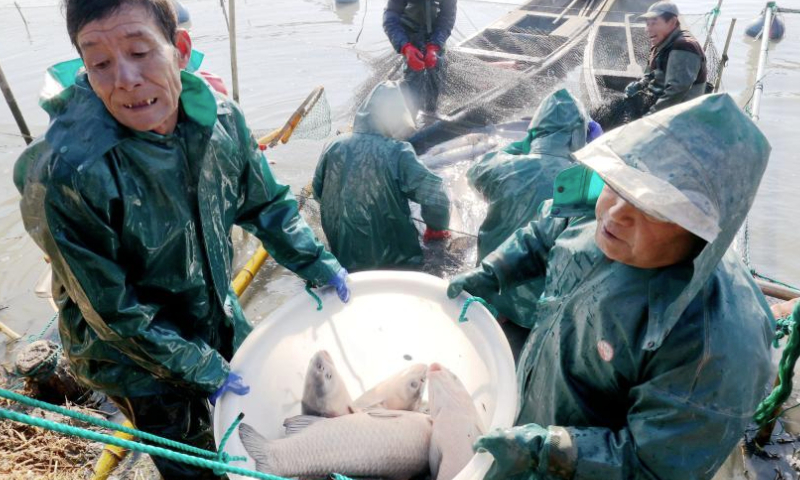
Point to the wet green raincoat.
(516, 180)
(137, 226)
(645, 373)
(364, 182)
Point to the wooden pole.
(234, 61)
(724, 59)
(713, 24)
(15, 111)
(9, 333)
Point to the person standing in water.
(418, 30)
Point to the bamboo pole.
(713, 24)
(762, 60)
(15, 111)
(723, 61)
(234, 60)
(6, 330)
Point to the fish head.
(410, 385)
(322, 378)
(446, 392)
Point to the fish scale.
(385, 444)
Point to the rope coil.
(767, 410)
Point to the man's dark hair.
(81, 12)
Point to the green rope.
(33, 338)
(137, 447)
(772, 280)
(314, 296)
(98, 422)
(784, 328)
(463, 317)
(221, 456)
(131, 445)
(765, 413)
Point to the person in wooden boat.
(418, 30)
(676, 68)
(515, 181)
(364, 182)
(132, 192)
(651, 346)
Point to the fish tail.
(256, 446)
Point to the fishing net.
(501, 73)
(315, 125)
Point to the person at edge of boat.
(645, 310)
(676, 67)
(515, 181)
(132, 192)
(364, 181)
(418, 30)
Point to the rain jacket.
(419, 22)
(646, 373)
(676, 70)
(137, 226)
(364, 182)
(516, 180)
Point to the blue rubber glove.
(340, 282)
(234, 384)
(515, 450)
(594, 130)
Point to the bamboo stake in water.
(15, 111)
(762, 60)
(723, 61)
(234, 62)
(713, 24)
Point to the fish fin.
(381, 413)
(298, 423)
(256, 446)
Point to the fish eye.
(319, 366)
(328, 376)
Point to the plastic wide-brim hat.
(660, 8)
(684, 164)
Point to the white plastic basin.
(393, 319)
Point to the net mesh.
(501, 73)
(315, 125)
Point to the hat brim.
(648, 193)
(647, 15)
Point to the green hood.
(559, 123)
(710, 161)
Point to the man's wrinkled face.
(135, 70)
(659, 29)
(627, 235)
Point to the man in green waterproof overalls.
(651, 345)
(418, 30)
(132, 192)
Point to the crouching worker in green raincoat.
(132, 192)
(364, 182)
(515, 181)
(651, 348)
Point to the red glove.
(414, 57)
(431, 57)
(434, 235)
